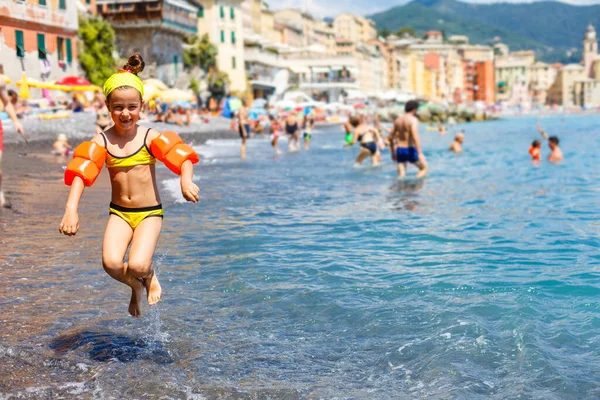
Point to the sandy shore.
(81, 126)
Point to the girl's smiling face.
(125, 105)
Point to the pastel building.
(222, 20)
(156, 29)
(38, 37)
(354, 28)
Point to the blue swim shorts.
(407, 154)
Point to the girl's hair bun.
(135, 64)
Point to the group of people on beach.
(276, 124)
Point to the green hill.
(554, 30)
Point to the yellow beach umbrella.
(151, 91)
(171, 95)
(5, 79)
(156, 82)
(24, 92)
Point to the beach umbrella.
(24, 92)
(160, 85)
(73, 81)
(172, 95)
(234, 104)
(151, 91)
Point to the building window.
(233, 62)
(42, 2)
(222, 36)
(20, 44)
(232, 37)
(201, 12)
(69, 51)
(222, 10)
(232, 13)
(62, 4)
(60, 42)
(41, 43)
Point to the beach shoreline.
(81, 126)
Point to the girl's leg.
(143, 244)
(114, 246)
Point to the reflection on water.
(301, 277)
(404, 194)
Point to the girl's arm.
(189, 189)
(70, 222)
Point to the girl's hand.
(190, 191)
(70, 223)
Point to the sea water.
(300, 276)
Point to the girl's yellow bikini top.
(141, 157)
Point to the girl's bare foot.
(153, 289)
(137, 296)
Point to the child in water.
(309, 123)
(535, 150)
(135, 211)
(61, 146)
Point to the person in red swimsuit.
(10, 110)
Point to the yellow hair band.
(121, 79)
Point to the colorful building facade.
(38, 37)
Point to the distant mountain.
(554, 30)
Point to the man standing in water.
(456, 145)
(404, 142)
(243, 128)
(556, 154)
(10, 110)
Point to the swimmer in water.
(275, 133)
(456, 145)
(309, 124)
(405, 145)
(441, 129)
(556, 154)
(135, 212)
(535, 151)
(368, 138)
(291, 128)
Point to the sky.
(325, 8)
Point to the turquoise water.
(300, 276)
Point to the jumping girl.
(135, 211)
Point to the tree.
(97, 46)
(385, 32)
(200, 52)
(406, 30)
(217, 81)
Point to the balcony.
(150, 14)
(42, 15)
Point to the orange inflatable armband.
(534, 152)
(87, 162)
(170, 149)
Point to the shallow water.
(300, 276)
